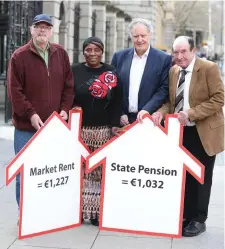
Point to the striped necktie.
(179, 102)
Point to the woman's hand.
(116, 131)
(77, 108)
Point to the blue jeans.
(20, 140)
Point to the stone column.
(153, 21)
(112, 39)
(63, 27)
(85, 24)
(70, 33)
(120, 44)
(51, 8)
(127, 39)
(168, 23)
(63, 30)
(100, 32)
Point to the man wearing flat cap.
(40, 81)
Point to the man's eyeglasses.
(42, 27)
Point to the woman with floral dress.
(98, 94)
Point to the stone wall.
(114, 14)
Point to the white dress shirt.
(187, 82)
(136, 72)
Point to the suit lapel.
(149, 66)
(127, 67)
(173, 84)
(194, 77)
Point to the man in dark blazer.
(143, 73)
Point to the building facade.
(73, 22)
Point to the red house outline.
(21, 170)
(185, 168)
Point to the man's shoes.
(185, 223)
(95, 222)
(194, 228)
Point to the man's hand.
(64, 115)
(157, 118)
(140, 116)
(36, 122)
(183, 117)
(124, 120)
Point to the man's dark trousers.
(197, 196)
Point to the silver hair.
(142, 21)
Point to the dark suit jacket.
(154, 87)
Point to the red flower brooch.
(104, 83)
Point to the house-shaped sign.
(144, 179)
(50, 167)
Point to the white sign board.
(144, 178)
(50, 167)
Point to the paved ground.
(89, 237)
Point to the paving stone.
(123, 242)
(213, 238)
(6, 241)
(76, 238)
(31, 247)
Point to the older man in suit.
(196, 94)
(143, 73)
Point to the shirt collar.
(144, 55)
(38, 48)
(190, 67)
